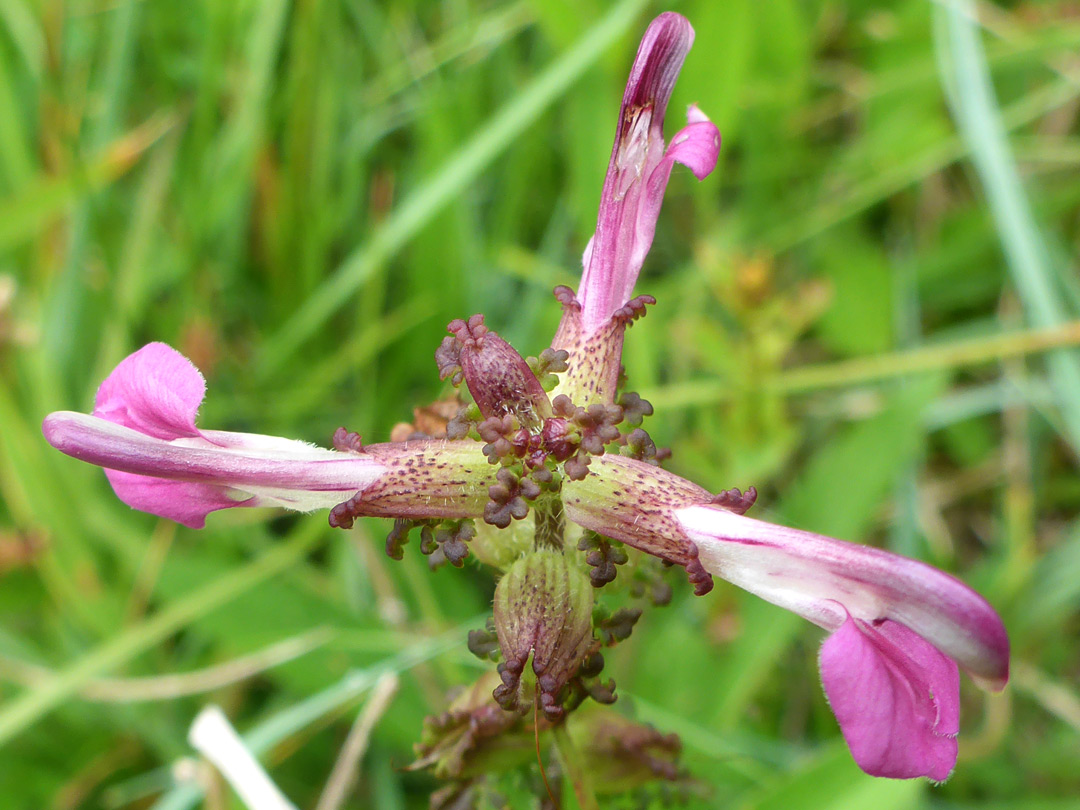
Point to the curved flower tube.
(595, 319)
(899, 627)
(898, 630)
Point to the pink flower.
(639, 169)
(899, 630)
(899, 627)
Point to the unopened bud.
(543, 607)
(498, 377)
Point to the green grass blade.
(971, 96)
(444, 186)
(18, 714)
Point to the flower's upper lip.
(97, 441)
(638, 170)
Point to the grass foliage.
(867, 311)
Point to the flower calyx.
(441, 541)
(623, 755)
(635, 409)
(582, 433)
(498, 378)
(543, 609)
(346, 441)
(650, 584)
(603, 555)
(547, 367)
(509, 497)
(594, 355)
(611, 628)
(472, 735)
(736, 501)
(484, 643)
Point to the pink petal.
(186, 502)
(156, 391)
(697, 145)
(638, 171)
(896, 697)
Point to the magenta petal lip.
(155, 390)
(896, 698)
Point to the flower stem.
(571, 763)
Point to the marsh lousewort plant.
(545, 474)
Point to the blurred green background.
(866, 311)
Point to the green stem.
(571, 764)
(549, 522)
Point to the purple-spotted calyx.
(548, 477)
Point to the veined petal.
(896, 697)
(659, 59)
(187, 478)
(825, 580)
(638, 171)
(301, 465)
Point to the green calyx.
(543, 610)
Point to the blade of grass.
(19, 713)
(970, 93)
(289, 721)
(344, 773)
(863, 370)
(884, 183)
(24, 215)
(16, 156)
(24, 33)
(444, 186)
(68, 299)
(178, 684)
(483, 34)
